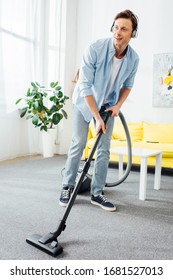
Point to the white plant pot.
(48, 142)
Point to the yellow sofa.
(143, 135)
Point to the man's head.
(124, 28)
(127, 14)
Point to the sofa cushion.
(157, 133)
(135, 130)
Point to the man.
(106, 77)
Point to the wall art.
(163, 80)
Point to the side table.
(143, 154)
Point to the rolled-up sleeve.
(87, 72)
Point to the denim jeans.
(78, 143)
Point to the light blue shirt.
(94, 75)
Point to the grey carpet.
(29, 192)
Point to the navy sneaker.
(102, 201)
(65, 196)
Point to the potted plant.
(44, 106)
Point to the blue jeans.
(78, 143)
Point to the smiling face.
(122, 33)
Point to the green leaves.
(23, 111)
(53, 85)
(35, 120)
(57, 118)
(64, 114)
(44, 106)
(18, 101)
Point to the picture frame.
(163, 80)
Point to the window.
(31, 46)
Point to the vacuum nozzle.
(45, 244)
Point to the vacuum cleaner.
(49, 243)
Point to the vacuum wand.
(49, 243)
(81, 178)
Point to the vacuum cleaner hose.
(129, 153)
(129, 162)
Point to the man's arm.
(93, 108)
(124, 92)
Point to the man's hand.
(124, 92)
(100, 125)
(115, 110)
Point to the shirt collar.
(112, 49)
(111, 46)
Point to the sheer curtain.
(31, 45)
